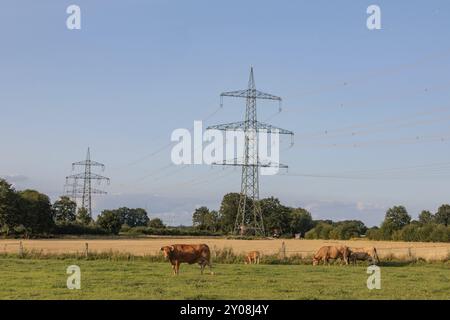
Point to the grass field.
(140, 279)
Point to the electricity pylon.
(70, 190)
(87, 177)
(251, 163)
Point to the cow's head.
(167, 251)
(315, 262)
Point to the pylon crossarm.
(250, 93)
(234, 126)
(273, 165)
(241, 126)
(92, 176)
(87, 163)
(271, 129)
(266, 96)
(240, 163)
(98, 191)
(235, 94)
(81, 190)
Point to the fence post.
(20, 249)
(86, 250)
(283, 251)
(409, 253)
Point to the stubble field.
(151, 246)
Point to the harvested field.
(151, 246)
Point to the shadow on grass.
(395, 263)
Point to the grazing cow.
(252, 257)
(364, 254)
(188, 253)
(331, 252)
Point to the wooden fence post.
(283, 251)
(20, 249)
(86, 250)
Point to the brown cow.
(368, 253)
(189, 253)
(252, 257)
(331, 252)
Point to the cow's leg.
(202, 266)
(177, 267)
(173, 269)
(210, 266)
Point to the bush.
(373, 234)
(440, 233)
(76, 228)
(169, 231)
(419, 232)
(321, 231)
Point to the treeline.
(280, 220)
(30, 213)
(398, 225)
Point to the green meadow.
(141, 279)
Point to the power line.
(431, 170)
(379, 72)
(167, 145)
(367, 102)
(382, 125)
(411, 140)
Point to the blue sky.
(370, 109)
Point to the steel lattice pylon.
(249, 216)
(86, 190)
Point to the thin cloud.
(15, 178)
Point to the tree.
(228, 212)
(322, 230)
(83, 217)
(204, 219)
(387, 229)
(373, 233)
(426, 217)
(133, 217)
(397, 217)
(156, 223)
(110, 220)
(9, 204)
(37, 212)
(443, 215)
(64, 210)
(275, 215)
(300, 221)
(348, 229)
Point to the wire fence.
(427, 252)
